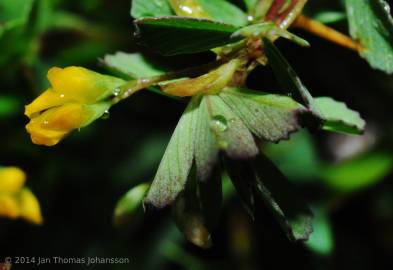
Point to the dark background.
(79, 181)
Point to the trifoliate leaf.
(371, 24)
(338, 117)
(179, 35)
(219, 128)
(290, 209)
(134, 65)
(129, 203)
(270, 117)
(358, 173)
(225, 12)
(150, 8)
(232, 136)
(176, 163)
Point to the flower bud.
(75, 99)
(53, 125)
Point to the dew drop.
(186, 9)
(116, 91)
(386, 7)
(61, 95)
(106, 115)
(219, 123)
(250, 18)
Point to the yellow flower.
(15, 200)
(29, 207)
(75, 99)
(12, 179)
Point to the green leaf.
(176, 163)
(45, 17)
(321, 240)
(287, 77)
(218, 128)
(134, 65)
(327, 17)
(179, 35)
(371, 24)
(250, 4)
(290, 209)
(14, 13)
(225, 12)
(206, 147)
(338, 117)
(129, 203)
(150, 8)
(358, 173)
(260, 176)
(270, 117)
(231, 135)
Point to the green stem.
(133, 86)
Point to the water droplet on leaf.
(219, 123)
(386, 7)
(116, 91)
(106, 115)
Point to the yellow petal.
(81, 84)
(54, 124)
(12, 179)
(9, 206)
(42, 136)
(30, 207)
(46, 100)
